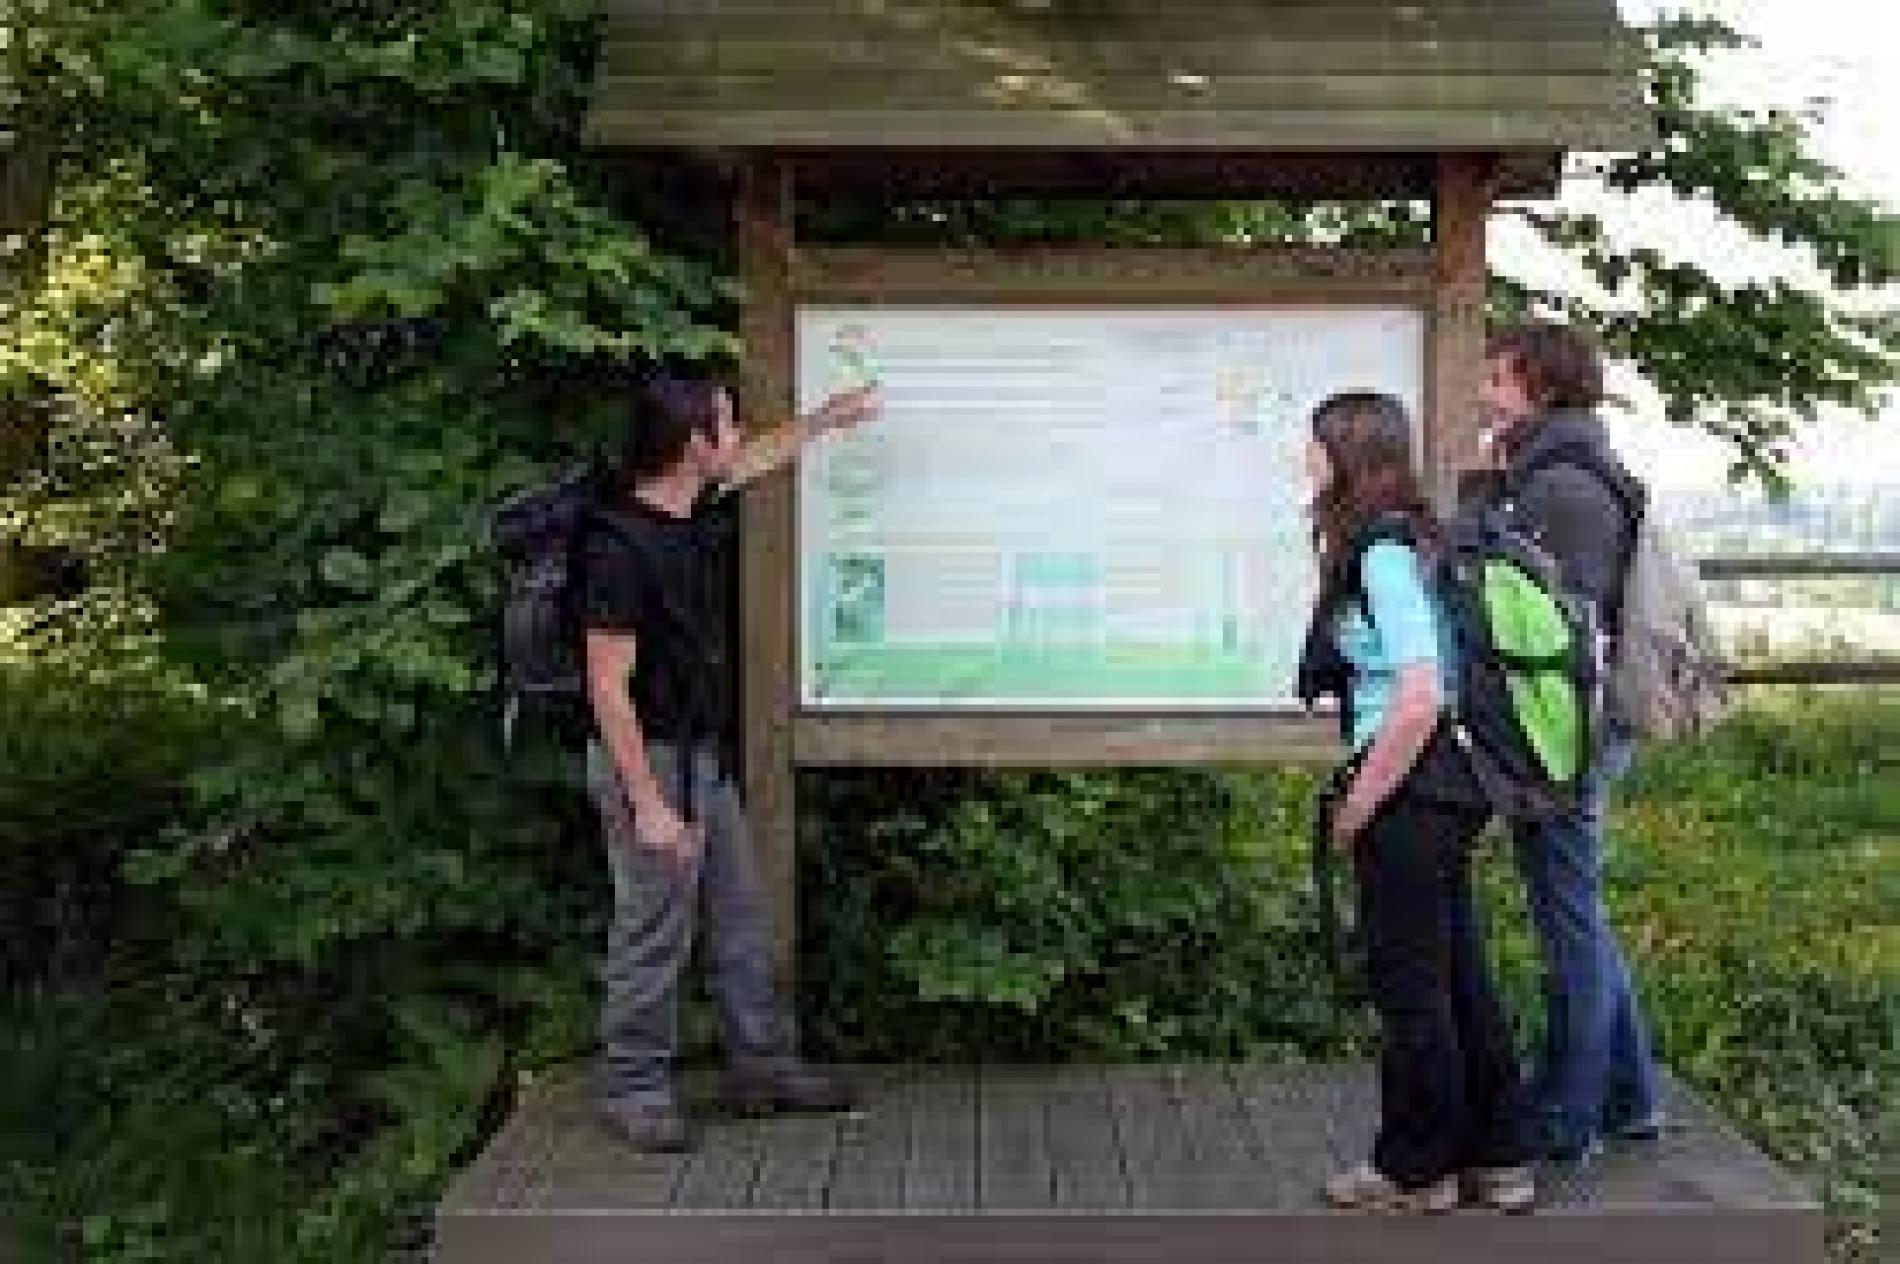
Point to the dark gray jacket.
(1571, 511)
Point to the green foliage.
(1748, 360)
(1064, 916)
(319, 283)
(1096, 916)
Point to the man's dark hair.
(669, 407)
(1562, 368)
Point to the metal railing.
(1871, 670)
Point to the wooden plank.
(1182, 173)
(873, 1146)
(1804, 565)
(1118, 15)
(768, 539)
(1249, 172)
(724, 1164)
(1306, 1122)
(938, 740)
(1837, 672)
(1301, 1125)
(940, 1172)
(1013, 1168)
(1777, 1237)
(1139, 104)
(1154, 1141)
(1615, 124)
(796, 1167)
(1455, 358)
(1113, 24)
(1087, 1166)
(1226, 1172)
(1233, 275)
(801, 47)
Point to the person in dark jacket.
(1543, 384)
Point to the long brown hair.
(1367, 437)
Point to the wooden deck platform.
(1183, 1164)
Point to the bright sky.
(1842, 56)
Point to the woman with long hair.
(1450, 1095)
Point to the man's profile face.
(718, 456)
(1504, 395)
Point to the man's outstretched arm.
(768, 451)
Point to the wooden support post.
(26, 191)
(1461, 202)
(768, 546)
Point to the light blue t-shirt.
(1406, 627)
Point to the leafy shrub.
(1166, 914)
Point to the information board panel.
(1074, 507)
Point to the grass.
(1757, 882)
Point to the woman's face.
(1319, 466)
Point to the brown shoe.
(652, 1127)
(1365, 1188)
(789, 1088)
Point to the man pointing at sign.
(656, 581)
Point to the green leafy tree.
(1751, 361)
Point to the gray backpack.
(1665, 677)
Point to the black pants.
(1451, 1094)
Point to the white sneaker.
(1508, 1189)
(1366, 1188)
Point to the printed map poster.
(1074, 507)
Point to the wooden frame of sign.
(1445, 281)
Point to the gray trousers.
(656, 902)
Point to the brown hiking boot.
(652, 1127)
(788, 1088)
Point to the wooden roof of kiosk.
(1124, 97)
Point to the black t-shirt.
(669, 581)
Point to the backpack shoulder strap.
(1385, 529)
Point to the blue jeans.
(1597, 1071)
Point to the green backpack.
(1528, 662)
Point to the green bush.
(1756, 879)
(88, 766)
(1088, 915)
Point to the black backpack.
(538, 533)
(541, 533)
